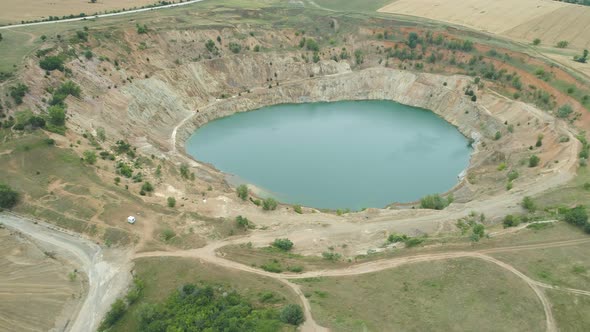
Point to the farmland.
(15, 11)
(550, 21)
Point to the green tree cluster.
(51, 63)
(207, 308)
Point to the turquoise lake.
(351, 154)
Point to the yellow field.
(525, 20)
(15, 11)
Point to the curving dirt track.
(107, 270)
(208, 254)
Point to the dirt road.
(107, 270)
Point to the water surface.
(352, 154)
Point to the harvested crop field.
(38, 293)
(15, 11)
(550, 21)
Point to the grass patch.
(570, 310)
(426, 297)
(563, 266)
(275, 260)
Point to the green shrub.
(393, 238)
(413, 242)
(534, 161)
(171, 202)
(331, 256)
(577, 216)
(90, 157)
(57, 115)
(147, 187)
(512, 175)
(242, 191)
(528, 204)
(184, 171)
(8, 197)
(51, 63)
(272, 266)
(510, 221)
(269, 204)
(312, 45)
(564, 111)
(18, 92)
(243, 222)
(235, 47)
(435, 202)
(117, 311)
(297, 209)
(141, 29)
(283, 244)
(295, 269)
(562, 44)
(167, 234)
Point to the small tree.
(242, 191)
(292, 314)
(283, 244)
(534, 161)
(536, 41)
(57, 115)
(269, 204)
(171, 202)
(8, 197)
